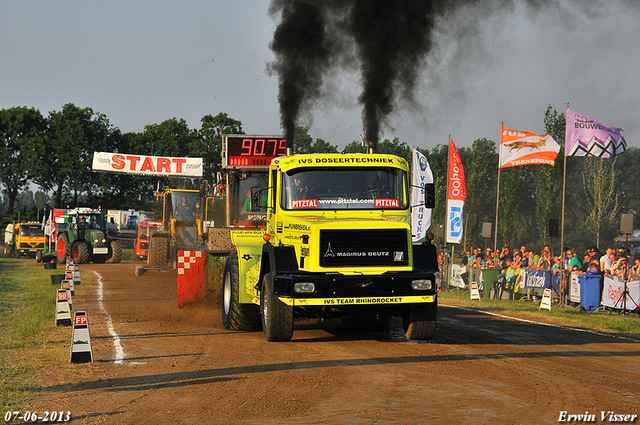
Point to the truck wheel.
(158, 251)
(236, 316)
(277, 317)
(116, 252)
(63, 248)
(81, 253)
(39, 257)
(420, 321)
(14, 252)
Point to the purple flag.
(587, 137)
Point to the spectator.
(634, 274)
(472, 255)
(605, 260)
(620, 267)
(535, 258)
(572, 263)
(504, 268)
(505, 253)
(613, 259)
(586, 263)
(556, 264)
(594, 268)
(488, 263)
(595, 255)
(544, 263)
(516, 263)
(523, 250)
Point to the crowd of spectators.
(616, 264)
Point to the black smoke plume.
(302, 54)
(391, 38)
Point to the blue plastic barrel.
(589, 291)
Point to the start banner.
(120, 163)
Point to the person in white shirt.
(605, 261)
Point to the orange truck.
(145, 230)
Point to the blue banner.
(535, 279)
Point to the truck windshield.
(31, 231)
(186, 205)
(344, 188)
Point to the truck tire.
(63, 248)
(116, 251)
(236, 316)
(7, 250)
(14, 252)
(277, 317)
(39, 257)
(419, 321)
(158, 251)
(81, 253)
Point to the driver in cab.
(370, 187)
(184, 210)
(300, 189)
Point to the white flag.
(48, 228)
(420, 215)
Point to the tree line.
(54, 153)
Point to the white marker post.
(63, 311)
(81, 340)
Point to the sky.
(143, 62)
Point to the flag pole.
(495, 239)
(564, 183)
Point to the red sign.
(387, 203)
(80, 320)
(62, 296)
(65, 284)
(304, 203)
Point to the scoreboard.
(251, 152)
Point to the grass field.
(29, 340)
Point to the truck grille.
(371, 247)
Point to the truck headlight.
(421, 285)
(304, 287)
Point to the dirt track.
(181, 366)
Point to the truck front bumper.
(336, 290)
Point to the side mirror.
(429, 195)
(256, 199)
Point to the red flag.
(456, 194)
(457, 187)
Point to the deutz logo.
(329, 252)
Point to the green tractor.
(86, 239)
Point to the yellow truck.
(25, 239)
(337, 243)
